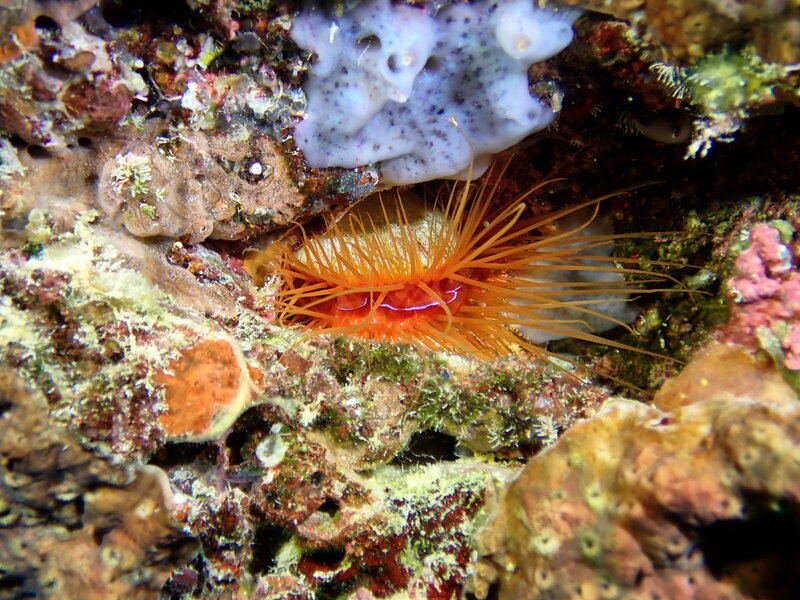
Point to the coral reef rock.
(687, 29)
(73, 525)
(196, 185)
(148, 397)
(701, 501)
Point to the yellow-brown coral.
(641, 502)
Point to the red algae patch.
(205, 389)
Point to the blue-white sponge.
(421, 93)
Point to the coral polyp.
(465, 274)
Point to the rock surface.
(694, 497)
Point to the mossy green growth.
(491, 410)
(441, 403)
(729, 81)
(700, 259)
(354, 359)
(131, 175)
(32, 249)
(504, 381)
(208, 53)
(148, 210)
(249, 6)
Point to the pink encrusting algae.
(766, 295)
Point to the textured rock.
(196, 185)
(296, 499)
(73, 525)
(687, 29)
(642, 502)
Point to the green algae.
(245, 7)
(730, 81)
(495, 408)
(353, 359)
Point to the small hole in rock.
(45, 22)
(266, 544)
(330, 590)
(13, 581)
(330, 507)
(426, 447)
(5, 406)
(766, 534)
(433, 64)
(124, 13)
(325, 557)
(38, 152)
(235, 440)
(84, 142)
(17, 142)
(186, 453)
(182, 583)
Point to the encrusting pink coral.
(759, 266)
(766, 295)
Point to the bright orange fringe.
(454, 292)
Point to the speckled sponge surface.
(423, 94)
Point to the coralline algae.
(424, 95)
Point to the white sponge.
(420, 93)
